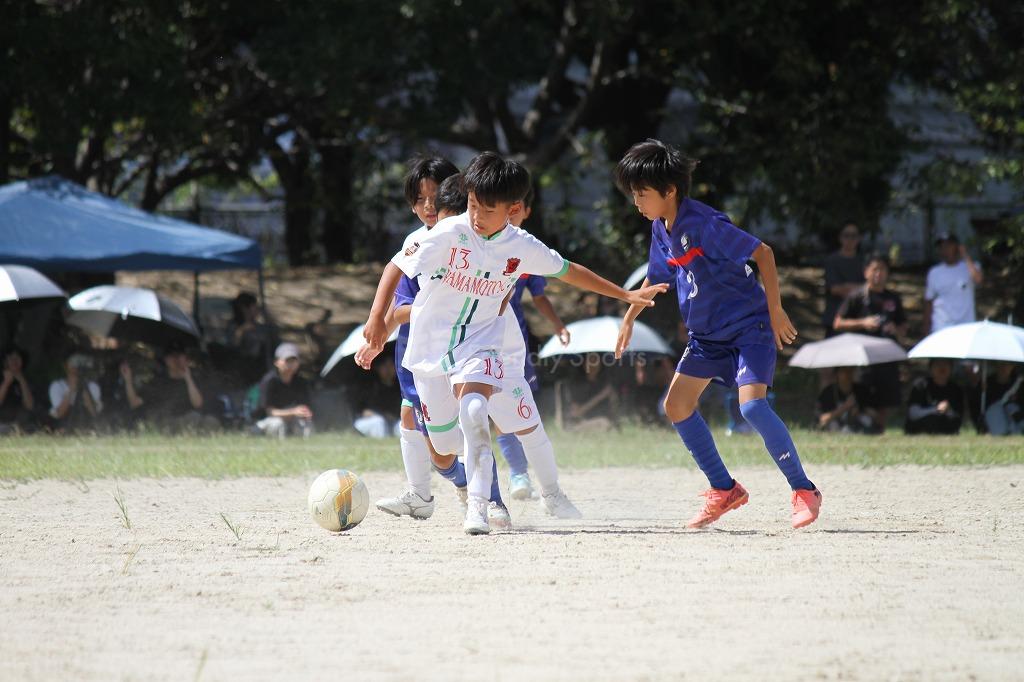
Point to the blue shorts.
(748, 359)
(530, 374)
(410, 398)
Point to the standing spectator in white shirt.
(949, 291)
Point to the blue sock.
(697, 438)
(512, 450)
(495, 489)
(778, 441)
(456, 473)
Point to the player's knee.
(677, 410)
(528, 431)
(473, 415)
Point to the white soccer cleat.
(520, 487)
(462, 494)
(408, 503)
(559, 505)
(498, 516)
(476, 517)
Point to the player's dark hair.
(656, 165)
(451, 195)
(877, 257)
(494, 179)
(528, 199)
(435, 168)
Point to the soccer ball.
(338, 500)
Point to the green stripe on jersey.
(565, 269)
(455, 327)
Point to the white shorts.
(514, 409)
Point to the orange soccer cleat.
(717, 502)
(806, 504)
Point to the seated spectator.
(876, 310)
(844, 406)
(376, 404)
(16, 400)
(172, 400)
(285, 397)
(1003, 411)
(589, 403)
(251, 336)
(649, 387)
(936, 403)
(75, 402)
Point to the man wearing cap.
(949, 289)
(285, 396)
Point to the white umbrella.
(973, 341)
(349, 346)
(848, 350)
(599, 334)
(131, 313)
(22, 284)
(637, 277)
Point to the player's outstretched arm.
(543, 304)
(584, 278)
(626, 329)
(396, 317)
(376, 330)
(785, 332)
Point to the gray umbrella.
(21, 285)
(131, 314)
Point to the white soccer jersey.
(414, 236)
(465, 277)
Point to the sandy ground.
(911, 574)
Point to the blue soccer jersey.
(705, 258)
(536, 285)
(405, 294)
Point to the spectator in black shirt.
(16, 400)
(375, 403)
(285, 397)
(172, 400)
(845, 405)
(1003, 412)
(844, 274)
(936, 403)
(877, 311)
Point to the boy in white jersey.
(513, 410)
(469, 264)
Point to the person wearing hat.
(949, 288)
(285, 396)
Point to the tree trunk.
(336, 185)
(293, 170)
(6, 111)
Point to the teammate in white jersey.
(468, 265)
(513, 410)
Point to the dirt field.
(911, 574)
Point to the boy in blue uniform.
(735, 325)
(520, 487)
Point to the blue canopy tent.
(55, 225)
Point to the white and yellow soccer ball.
(338, 500)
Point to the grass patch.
(233, 455)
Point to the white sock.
(476, 431)
(416, 459)
(540, 453)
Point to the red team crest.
(511, 266)
(412, 249)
